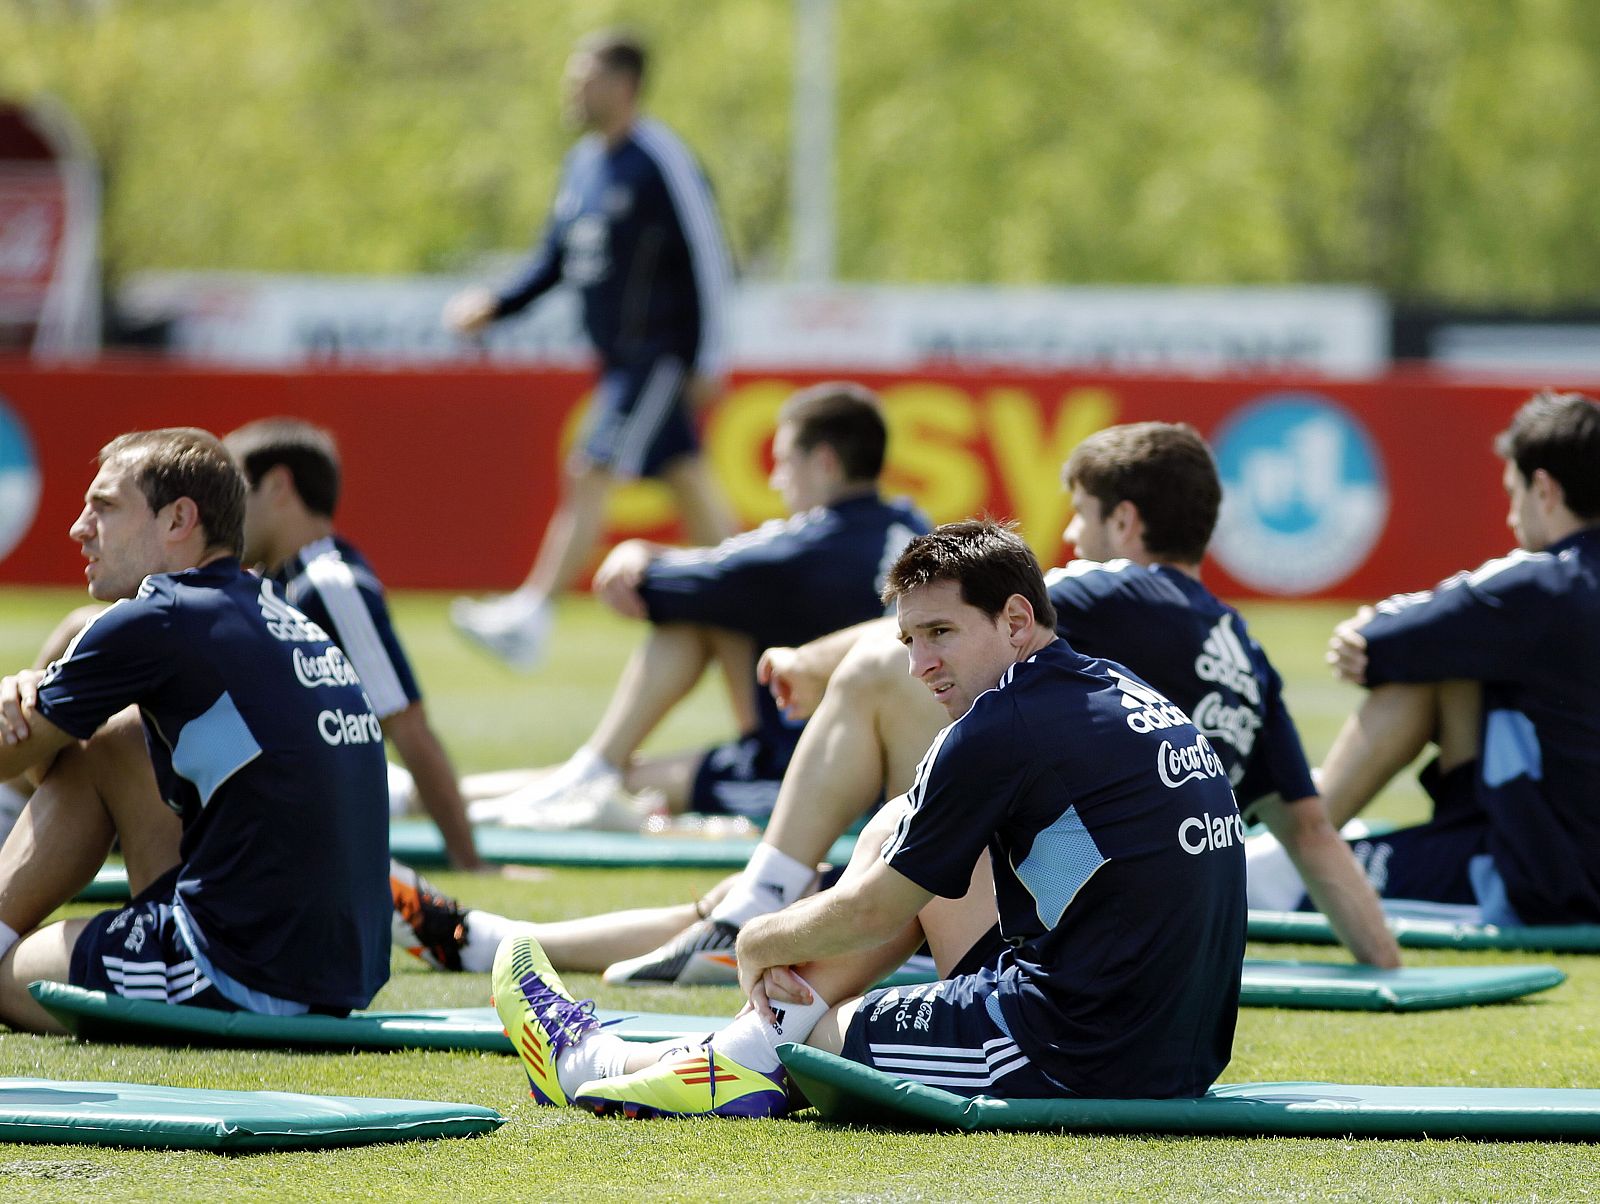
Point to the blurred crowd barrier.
(1335, 488)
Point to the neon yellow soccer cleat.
(540, 1014)
(698, 1081)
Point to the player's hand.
(1347, 648)
(778, 984)
(795, 686)
(19, 694)
(617, 580)
(704, 390)
(469, 311)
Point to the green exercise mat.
(184, 1118)
(417, 842)
(846, 1092)
(98, 1016)
(1340, 987)
(1311, 928)
(110, 885)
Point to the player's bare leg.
(92, 793)
(707, 518)
(873, 725)
(1393, 725)
(870, 730)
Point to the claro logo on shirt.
(1207, 833)
(347, 727)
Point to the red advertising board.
(1335, 489)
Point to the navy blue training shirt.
(1119, 872)
(1173, 632)
(332, 584)
(1528, 628)
(635, 230)
(263, 743)
(786, 582)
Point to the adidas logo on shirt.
(1151, 711)
(1223, 660)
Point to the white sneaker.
(511, 627)
(597, 804)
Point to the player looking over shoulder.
(1044, 805)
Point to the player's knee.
(874, 668)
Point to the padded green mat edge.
(849, 1093)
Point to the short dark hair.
(1560, 433)
(618, 50)
(308, 451)
(184, 461)
(845, 416)
(988, 560)
(1163, 468)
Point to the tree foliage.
(1439, 149)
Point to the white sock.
(599, 1055)
(1271, 881)
(485, 931)
(9, 936)
(770, 882)
(751, 1041)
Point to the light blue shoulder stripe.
(213, 747)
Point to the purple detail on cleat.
(564, 1021)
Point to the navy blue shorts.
(947, 1034)
(741, 777)
(136, 952)
(1431, 862)
(639, 421)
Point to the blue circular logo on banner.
(19, 480)
(1304, 496)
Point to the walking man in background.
(635, 230)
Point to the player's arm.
(862, 912)
(437, 787)
(693, 209)
(617, 580)
(28, 741)
(1332, 878)
(797, 677)
(1485, 625)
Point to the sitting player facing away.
(1499, 669)
(249, 802)
(1053, 803)
(784, 583)
(293, 479)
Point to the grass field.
(492, 719)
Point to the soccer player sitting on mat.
(786, 582)
(292, 474)
(1499, 670)
(1147, 497)
(1067, 799)
(249, 802)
